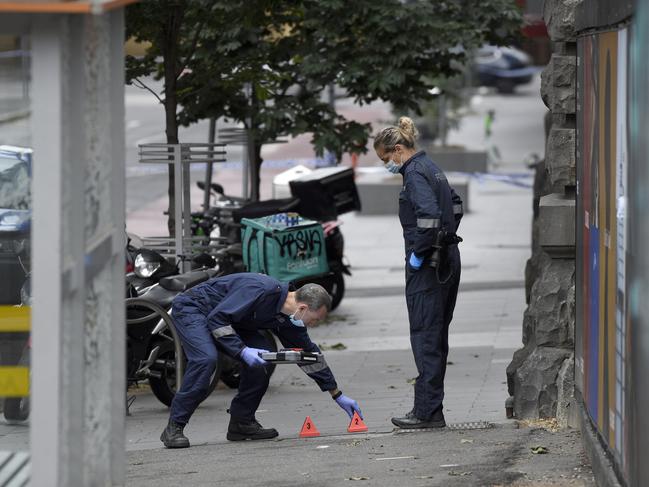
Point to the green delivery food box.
(287, 248)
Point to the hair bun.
(407, 127)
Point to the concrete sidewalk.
(374, 365)
(367, 345)
(372, 326)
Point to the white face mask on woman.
(393, 167)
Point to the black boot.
(241, 429)
(173, 436)
(410, 421)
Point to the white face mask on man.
(296, 321)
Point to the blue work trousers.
(202, 356)
(430, 311)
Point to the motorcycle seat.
(235, 249)
(160, 296)
(182, 282)
(258, 209)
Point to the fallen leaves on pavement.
(455, 473)
(551, 425)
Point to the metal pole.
(178, 206)
(186, 207)
(246, 161)
(47, 237)
(441, 119)
(24, 65)
(330, 157)
(211, 137)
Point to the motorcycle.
(145, 267)
(223, 220)
(150, 345)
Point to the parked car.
(503, 68)
(15, 220)
(15, 226)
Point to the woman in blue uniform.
(429, 212)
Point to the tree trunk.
(170, 59)
(254, 159)
(255, 171)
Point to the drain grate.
(470, 425)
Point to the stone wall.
(540, 377)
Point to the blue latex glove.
(415, 262)
(349, 405)
(251, 357)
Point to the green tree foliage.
(173, 28)
(268, 63)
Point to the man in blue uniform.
(228, 312)
(430, 213)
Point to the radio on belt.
(292, 356)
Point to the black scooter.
(150, 344)
(145, 267)
(223, 220)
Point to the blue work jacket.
(427, 204)
(249, 301)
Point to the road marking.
(158, 137)
(140, 100)
(394, 458)
(15, 468)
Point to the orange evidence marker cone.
(356, 425)
(308, 429)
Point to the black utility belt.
(448, 239)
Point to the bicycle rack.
(180, 156)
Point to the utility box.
(326, 193)
(287, 252)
